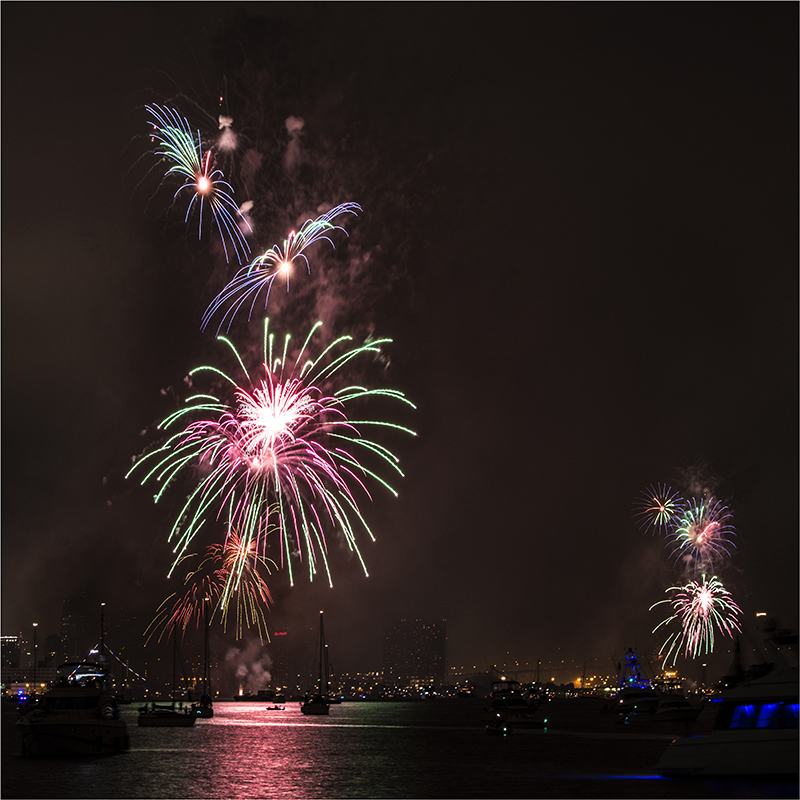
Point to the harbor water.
(422, 749)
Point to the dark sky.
(583, 226)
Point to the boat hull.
(745, 753)
(166, 719)
(315, 708)
(73, 737)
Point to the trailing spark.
(177, 144)
(278, 262)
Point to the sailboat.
(319, 703)
(205, 707)
(167, 716)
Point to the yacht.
(78, 716)
(755, 733)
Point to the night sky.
(579, 229)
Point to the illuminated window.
(769, 715)
(743, 717)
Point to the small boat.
(318, 703)
(276, 708)
(78, 716)
(205, 708)
(498, 727)
(510, 704)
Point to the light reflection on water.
(434, 749)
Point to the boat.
(205, 708)
(755, 732)
(636, 694)
(78, 716)
(498, 727)
(676, 708)
(168, 716)
(508, 704)
(319, 703)
(276, 708)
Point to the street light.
(35, 626)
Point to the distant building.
(80, 628)
(414, 653)
(279, 653)
(9, 649)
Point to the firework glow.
(229, 574)
(278, 449)
(699, 608)
(176, 143)
(701, 535)
(659, 508)
(277, 262)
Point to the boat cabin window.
(764, 715)
(742, 717)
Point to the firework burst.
(658, 508)
(208, 185)
(699, 608)
(278, 448)
(229, 574)
(277, 262)
(701, 535)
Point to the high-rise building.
(10, 646)
(414, 653)
(80, 628)
(279, 653)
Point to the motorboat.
(755, 733)
(78, 716)
(508, 703)
(318, 704)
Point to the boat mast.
(206, 669)
(323, 660)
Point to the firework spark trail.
(659, 508)
(229, 571)
(178, 145)
(283, 442)
(261, 273)
(702, 533)
(699, 608)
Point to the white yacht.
(79, 716)
(755, 733)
